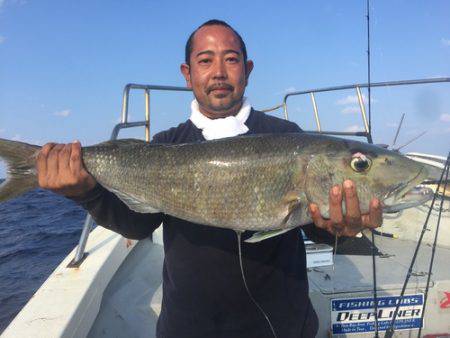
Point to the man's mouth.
(220, 88)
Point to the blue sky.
(64, 63)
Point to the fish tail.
(20, 161)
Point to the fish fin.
(133, 203)
(262, 235)
(129, 141)
(123, 142)
(293, 205)
(20, 168)
(293, 210)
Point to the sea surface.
(37, 230)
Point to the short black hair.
(213, 22)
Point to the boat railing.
(80, 254)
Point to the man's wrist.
(88, 196)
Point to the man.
(203, 291)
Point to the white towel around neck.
(222, 127)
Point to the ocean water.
(37, 230)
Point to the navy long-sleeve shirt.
(203, 290)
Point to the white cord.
(238, 233)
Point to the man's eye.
(233, 59)
(204, 61)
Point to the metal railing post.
(125, 99)
(80, 255)
(147, 114)
(363, 108)
(286, 116)
(316, 112)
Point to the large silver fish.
(261, 182)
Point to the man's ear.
(248, 69)
(185, 70)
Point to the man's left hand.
(353, 221)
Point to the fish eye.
(360, 164)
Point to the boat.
(110, 286)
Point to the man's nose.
(220, 71)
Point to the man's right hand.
(61, 170)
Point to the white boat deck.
(132, 301)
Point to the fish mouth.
(402, 196)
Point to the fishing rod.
(368, 71)
(398, 131)
(369, 138)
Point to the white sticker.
(356, 315)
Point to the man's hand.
(352, 222)
(61, 170)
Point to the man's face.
(217, 73)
